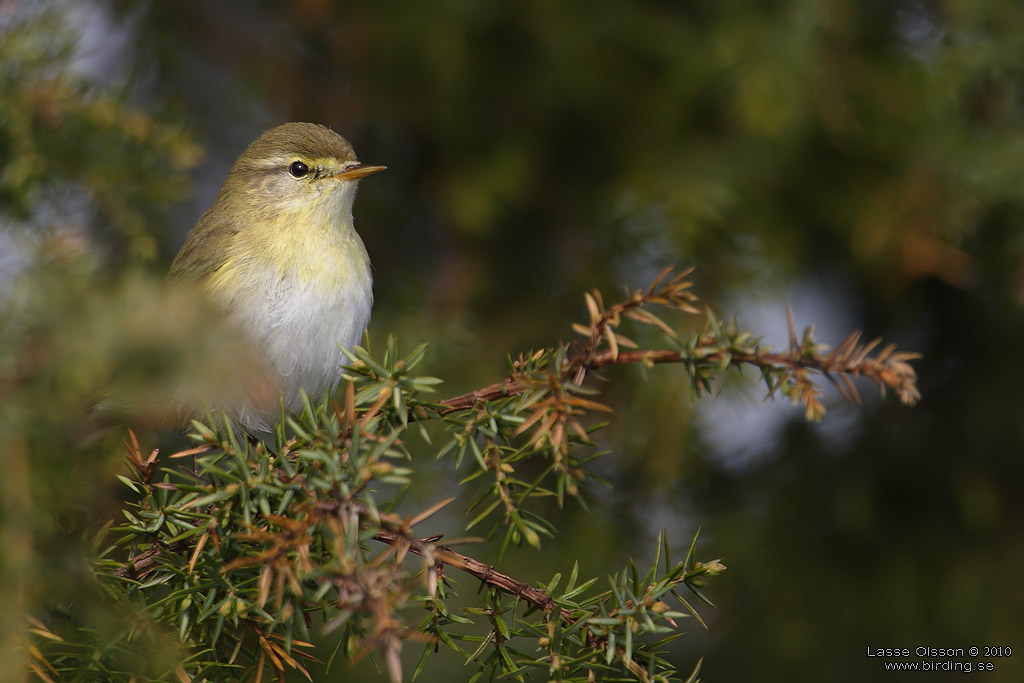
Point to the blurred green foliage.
(65, 140)
(867, 149)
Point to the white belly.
(301, 336)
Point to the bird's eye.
(298, 169)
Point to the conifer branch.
(716, 347)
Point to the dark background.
(862, 161)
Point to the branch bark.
(889, 370)
(490, 576)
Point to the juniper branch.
(714, 348)
(488, 575)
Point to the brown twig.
(478, 569)
(147, 561)
(889, 370)
(487, 394)
(487, 574)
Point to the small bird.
(279, 255)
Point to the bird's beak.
(358, 171)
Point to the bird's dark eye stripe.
(298, 169)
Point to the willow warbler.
(279, 255)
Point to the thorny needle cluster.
(250, 554)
